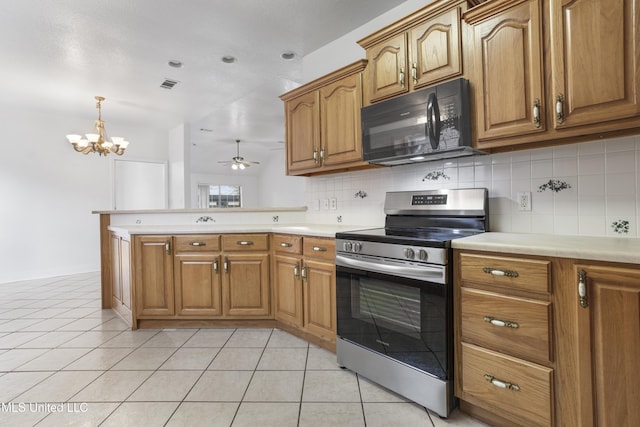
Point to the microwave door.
(433, 124)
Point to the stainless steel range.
(394, 293)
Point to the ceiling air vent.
(168, 84)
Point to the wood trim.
(345, 71)
(432, 9)
(488, 10)
(203, 323)
(106, 276)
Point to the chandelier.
(98, 142)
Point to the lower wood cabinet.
(245, 288)
(305, 285)
(563, 357)
(198, 288)
(153, 275)
(607, 344)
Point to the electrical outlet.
(333, 203)
(325, 204)
(524, 200)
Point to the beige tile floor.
(65, 361)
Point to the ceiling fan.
(238, 162)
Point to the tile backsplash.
(588, 189)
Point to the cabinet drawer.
(517, 326)
(514, 273)
(316, 247)
(508, 386)
(287, 243)
(197, 243)
(245, 242)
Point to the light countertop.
(319, 230)
(614, 249)
(203, 210)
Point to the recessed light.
(175, 63)
(206, 130)
(288, 56)
(228, 59)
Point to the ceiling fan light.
(241, 166)
(234, 166)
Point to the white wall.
(49, 191)
(276, 189)
(179, 161)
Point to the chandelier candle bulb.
(98, 142)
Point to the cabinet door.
(319, 294)
(508, 72)
(340, 121)
(387, 68)
(197, 285)
(288, 290)
(435, 49)
(594, 59)
(609, 345)
(303, 132)
(154, 276)
(245, 290)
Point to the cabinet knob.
(560, 108)
(536, 113)
(582, 289)
(501, 384)
(498, 272)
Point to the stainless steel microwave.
(429, 124)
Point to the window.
(220, 196)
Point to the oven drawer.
(245, 242)
(197, 243)
(315, 247)
(514, 273)
(517, 326)
(287, 243)
(508, 386)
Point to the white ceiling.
(60, 54)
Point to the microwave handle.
(433, 121)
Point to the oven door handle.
(434, 274)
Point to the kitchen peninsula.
(235, 267)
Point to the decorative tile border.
(205, 219)
(362, 194)
(554, 185)
(435, 175)
(620, 226)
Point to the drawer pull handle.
(167, 247)
(244, 242)
(285, 245)
(215, 265)
(198, 244)
(319, 249)
(498, 322)
(501, 384)
(304, 272)
(582, 289)
(498, 272)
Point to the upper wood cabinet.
(508, 77)
(416, 51)
(595, 47)
(322, 121)
(558, 70)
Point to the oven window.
(404, 319)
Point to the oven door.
(408, 319)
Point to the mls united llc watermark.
(24, 407)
